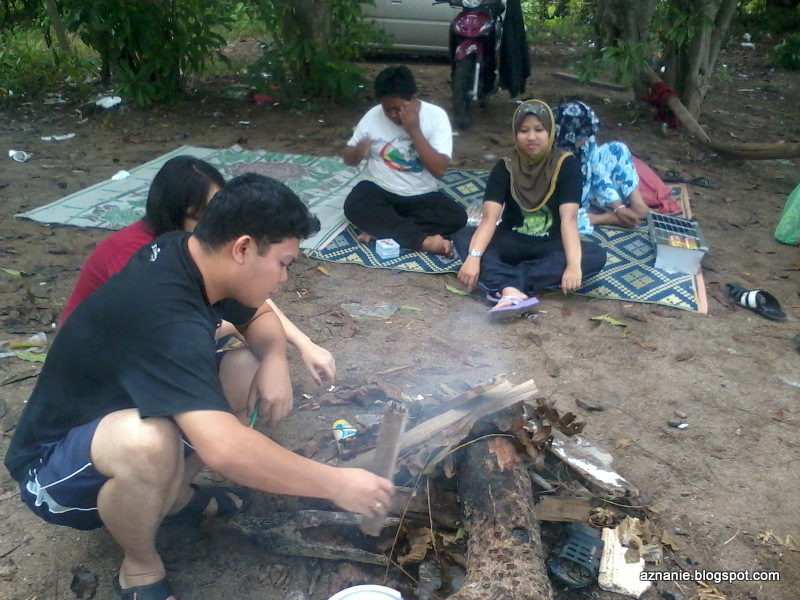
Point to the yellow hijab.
(533, 180)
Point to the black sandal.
(160, 590)
(759, 301)
(194, 512)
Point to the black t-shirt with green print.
(545, 222)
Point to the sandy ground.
(726, 486)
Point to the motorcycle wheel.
(463, 76)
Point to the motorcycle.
(475, 36)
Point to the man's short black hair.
(179, 190)
(397, 82)
(258, 206)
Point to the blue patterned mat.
(629, 274)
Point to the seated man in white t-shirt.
(407, 144)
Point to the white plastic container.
(387, 248)
(367, 592)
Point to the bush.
(148, 46)
(29, 69)
(787, 53)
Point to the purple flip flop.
(516, 308)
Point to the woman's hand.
(469, 272)
(571, 279)
(320, 363)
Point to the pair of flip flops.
(517, 307)
(675, 177)
(759, 301)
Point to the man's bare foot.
(436, 244)
(364, 238)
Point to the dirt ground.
(727, 486)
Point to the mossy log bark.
(505, 559)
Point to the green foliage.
(787, 53)
(324, 79)
(312, 52)
(20, 12)
(622, 62)
(31, 70)
(148, 46)
(543, 25)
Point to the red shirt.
(108, 257)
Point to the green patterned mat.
(322, 182)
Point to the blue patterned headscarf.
(575, 121)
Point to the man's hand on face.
(409, 114)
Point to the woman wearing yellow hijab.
(535, 196)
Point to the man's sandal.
(194, 512)
(160, 590)
(759, 301)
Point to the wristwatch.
(476, 253)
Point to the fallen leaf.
(566, 311)
(728, 199)
(323, 270)
(419, 540)
(668, 540)
(414, 308)
(682, 356)
(455, 290)
(84, 583)
(19, 377)
(647, 347)
(586, 406)
(30, 356)
(12, 272)
(621, 443)
(611, 321)
(552, 367)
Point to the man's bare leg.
(143, 459)
(236, 372)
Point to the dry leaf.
(323, 270)
(566, 311)
(551, 367)
(625, 442)
(728, 200)
(586, 406)
(647, 347)
(420, 540)
(668, 540)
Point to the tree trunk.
(505, 559)
(715, 18)
(628, 21)
(58, 26)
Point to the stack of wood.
(505, 557)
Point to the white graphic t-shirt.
(392, 161)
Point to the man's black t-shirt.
(144, 340)
(545, 222)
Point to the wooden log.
(395, 416)
(505, 559)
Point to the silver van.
(413, 25)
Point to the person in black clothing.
(535, 194)
(130, 405)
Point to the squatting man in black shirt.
(131, 405)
